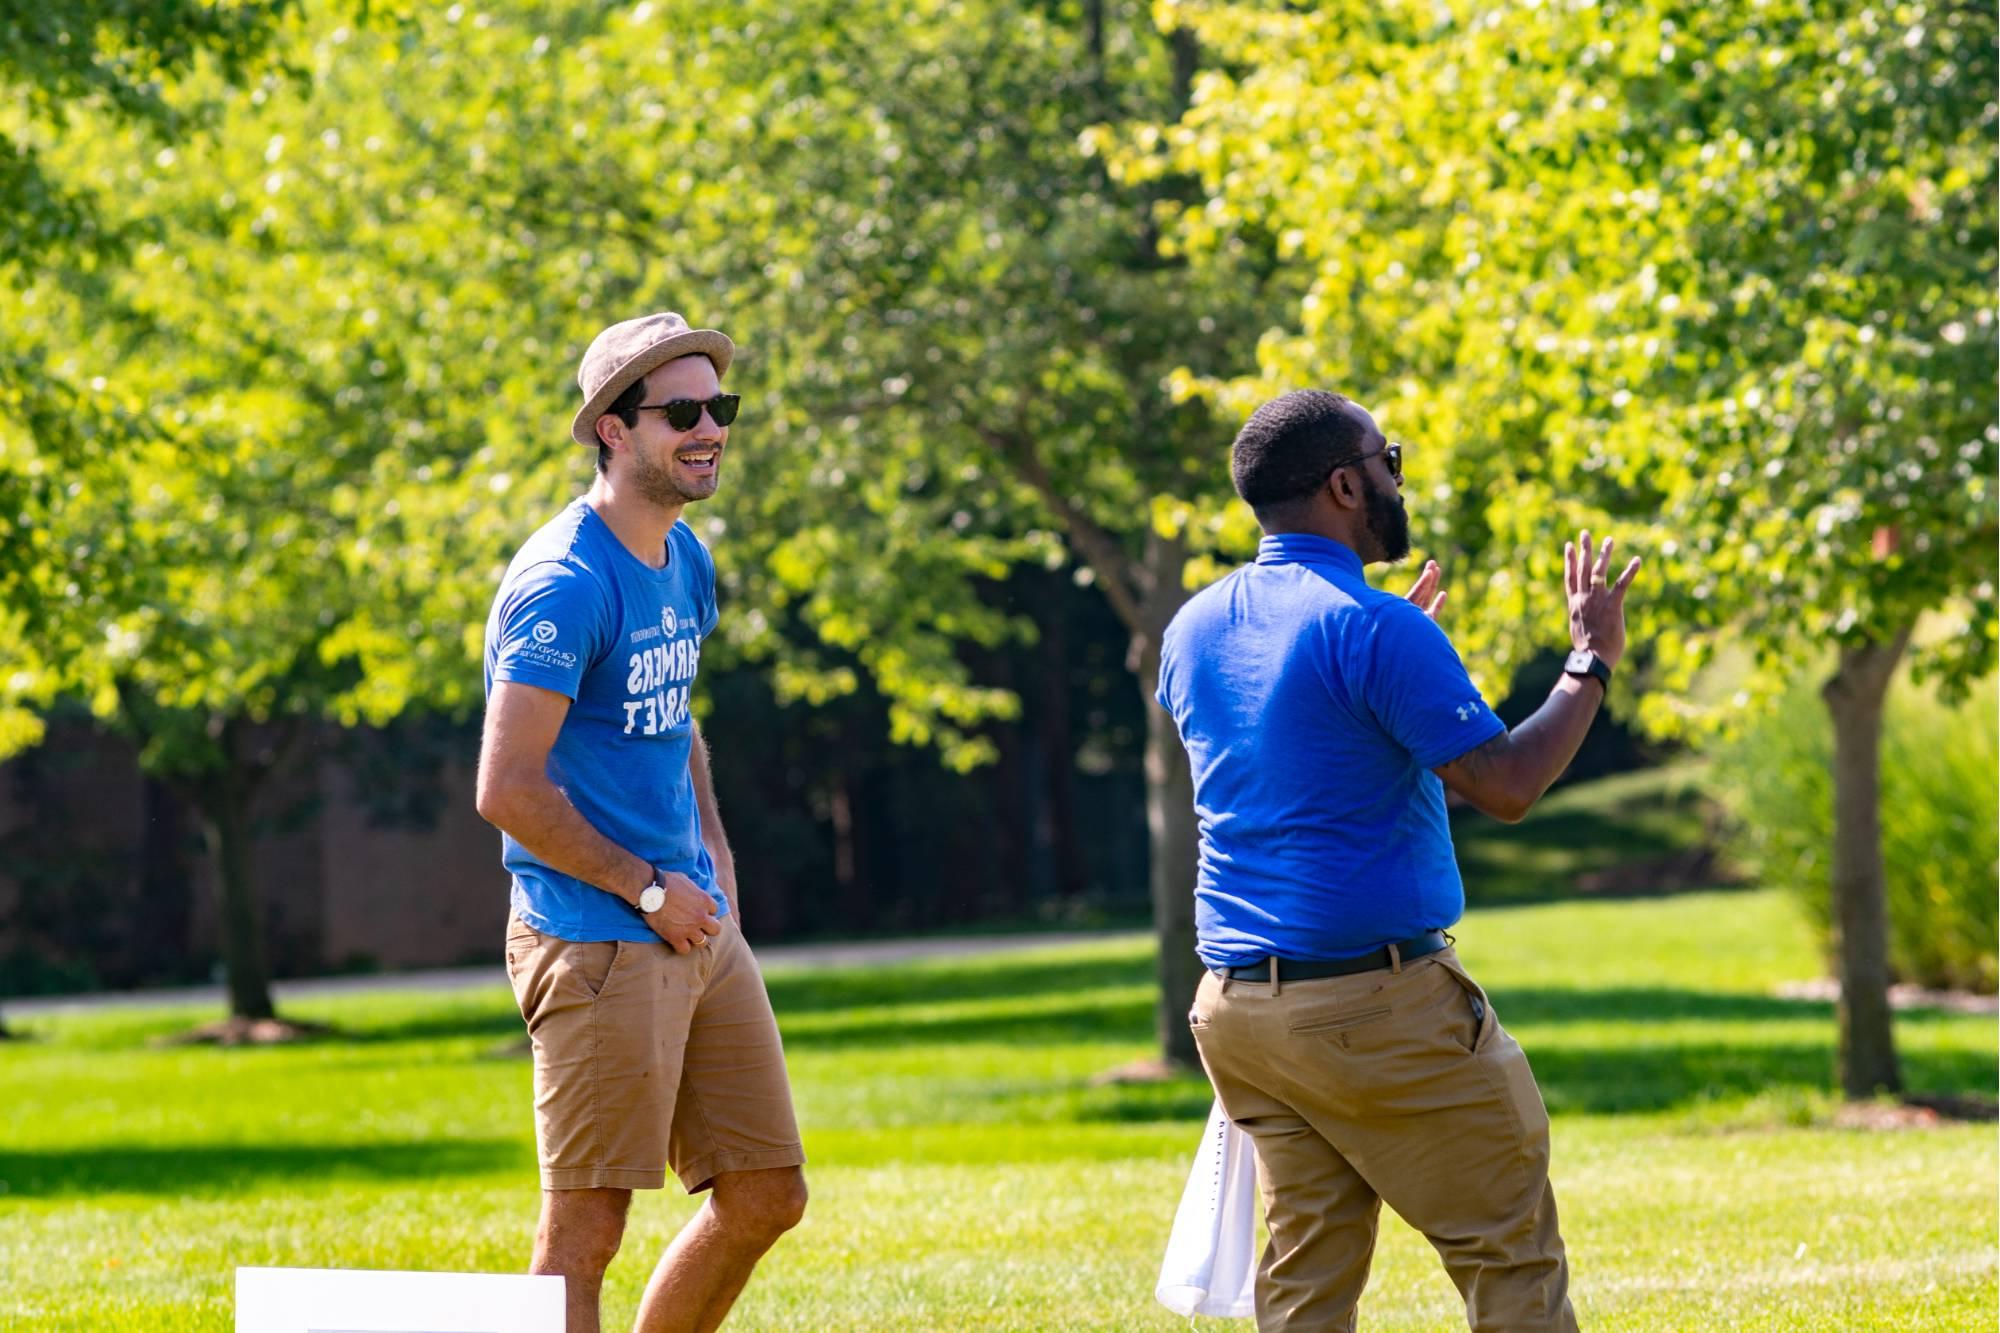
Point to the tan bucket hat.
(630, 351)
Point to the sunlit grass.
(967, 1172)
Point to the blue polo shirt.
(1313, 709)
(579, 614)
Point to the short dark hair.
(1290, 445)
(626, 408)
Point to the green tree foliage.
(962, 330)
(1716, 277)
(71, 69)
(66, 68)
(230, 411)
(69, 64)
(339, 354)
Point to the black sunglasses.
(683, 413)
(1391, 453)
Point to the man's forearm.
(725, 863)
(541, 819)
(1549, 738)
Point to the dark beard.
(1388, 521)
(657, 483)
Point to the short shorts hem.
(603, 1178)
(699, 1174)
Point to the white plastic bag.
(1211, 1262)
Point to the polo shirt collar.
(1303, 548)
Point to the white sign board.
(332, 1300)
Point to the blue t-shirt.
(579, 614)
(1313, 709)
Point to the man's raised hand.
(1428, 591)
(1596, 604)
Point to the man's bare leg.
(577, 1238)
(703, 1271)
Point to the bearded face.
(1388, 520)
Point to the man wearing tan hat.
(653, 1036)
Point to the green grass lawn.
(967, 1174)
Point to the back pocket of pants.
(1336, 1020)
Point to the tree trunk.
(225, 818)
(1854, 697)
(840, 815)
(160, 950)
(1173, 841)
(1011, 836)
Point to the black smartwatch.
(1583, 662)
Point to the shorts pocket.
(522, 941)
(590, 966)
(1475, 1029)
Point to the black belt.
(1298, 969)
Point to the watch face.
(1579, 661)
(652, 898)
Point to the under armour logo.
(1466, 712)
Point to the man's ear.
(611, 431)
(1345, 493)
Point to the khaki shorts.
(645, 1058)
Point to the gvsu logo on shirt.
(669, 622)
(539, 647)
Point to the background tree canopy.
(1717, 278)
(296, 295)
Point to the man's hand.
(687, 918)
(1428, 592)
(1596, 605)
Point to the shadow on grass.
(849, 988)
(1521, 1007)
(488, 1024)
(1623, 1080)
(800, 993)
(1628, 1079)
(1086, 1020)
(1128, 1020)
(1649, 1004)
(1634, 1076)
(237, 1168)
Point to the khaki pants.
(1397, 1086)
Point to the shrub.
(1940, 847)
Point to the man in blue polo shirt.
(1323, 720)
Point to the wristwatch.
(654, 896)
(1583, 662)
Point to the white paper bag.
(1211, 1262)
